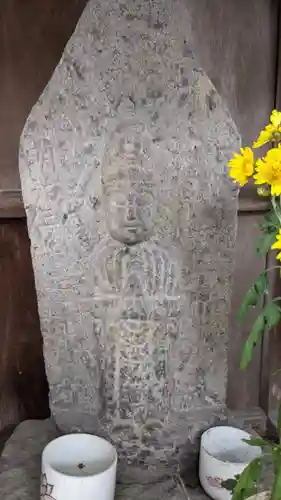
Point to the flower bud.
(276, 137)
(263, 191)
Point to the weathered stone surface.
(169, 488)
(132, 221)
(21, 462)
(253, 419)
(188, 458)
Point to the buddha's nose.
(131, 210)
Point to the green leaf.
(252, 297)
(268, 318)
(247, 482)
(269, 228)
(265, 243)
(253, 340)
(270, 223)
(276, 489)
(262, 443)
(229, 484)
(272, 314)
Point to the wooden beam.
(11, 204)
(250, 201)
(251, 205)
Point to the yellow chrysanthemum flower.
(277, 245)
(241, 166)
(271, 131)
(268, 170)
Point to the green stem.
(276, 208)
(276, 298)
(270, 269)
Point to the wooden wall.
(235, 41)
(273, 357)
(23, 385)
(33, 34)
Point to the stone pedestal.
(20, 467)
(132, 221)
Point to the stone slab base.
(20, 470)
(20, 465)
(20, 461)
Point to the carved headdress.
(129, 148)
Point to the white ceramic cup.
(223, 455)
(78, 467)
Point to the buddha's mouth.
(133, 225)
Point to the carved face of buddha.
(128, 197)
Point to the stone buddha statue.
(136, 287)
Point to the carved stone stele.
(132, 221)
